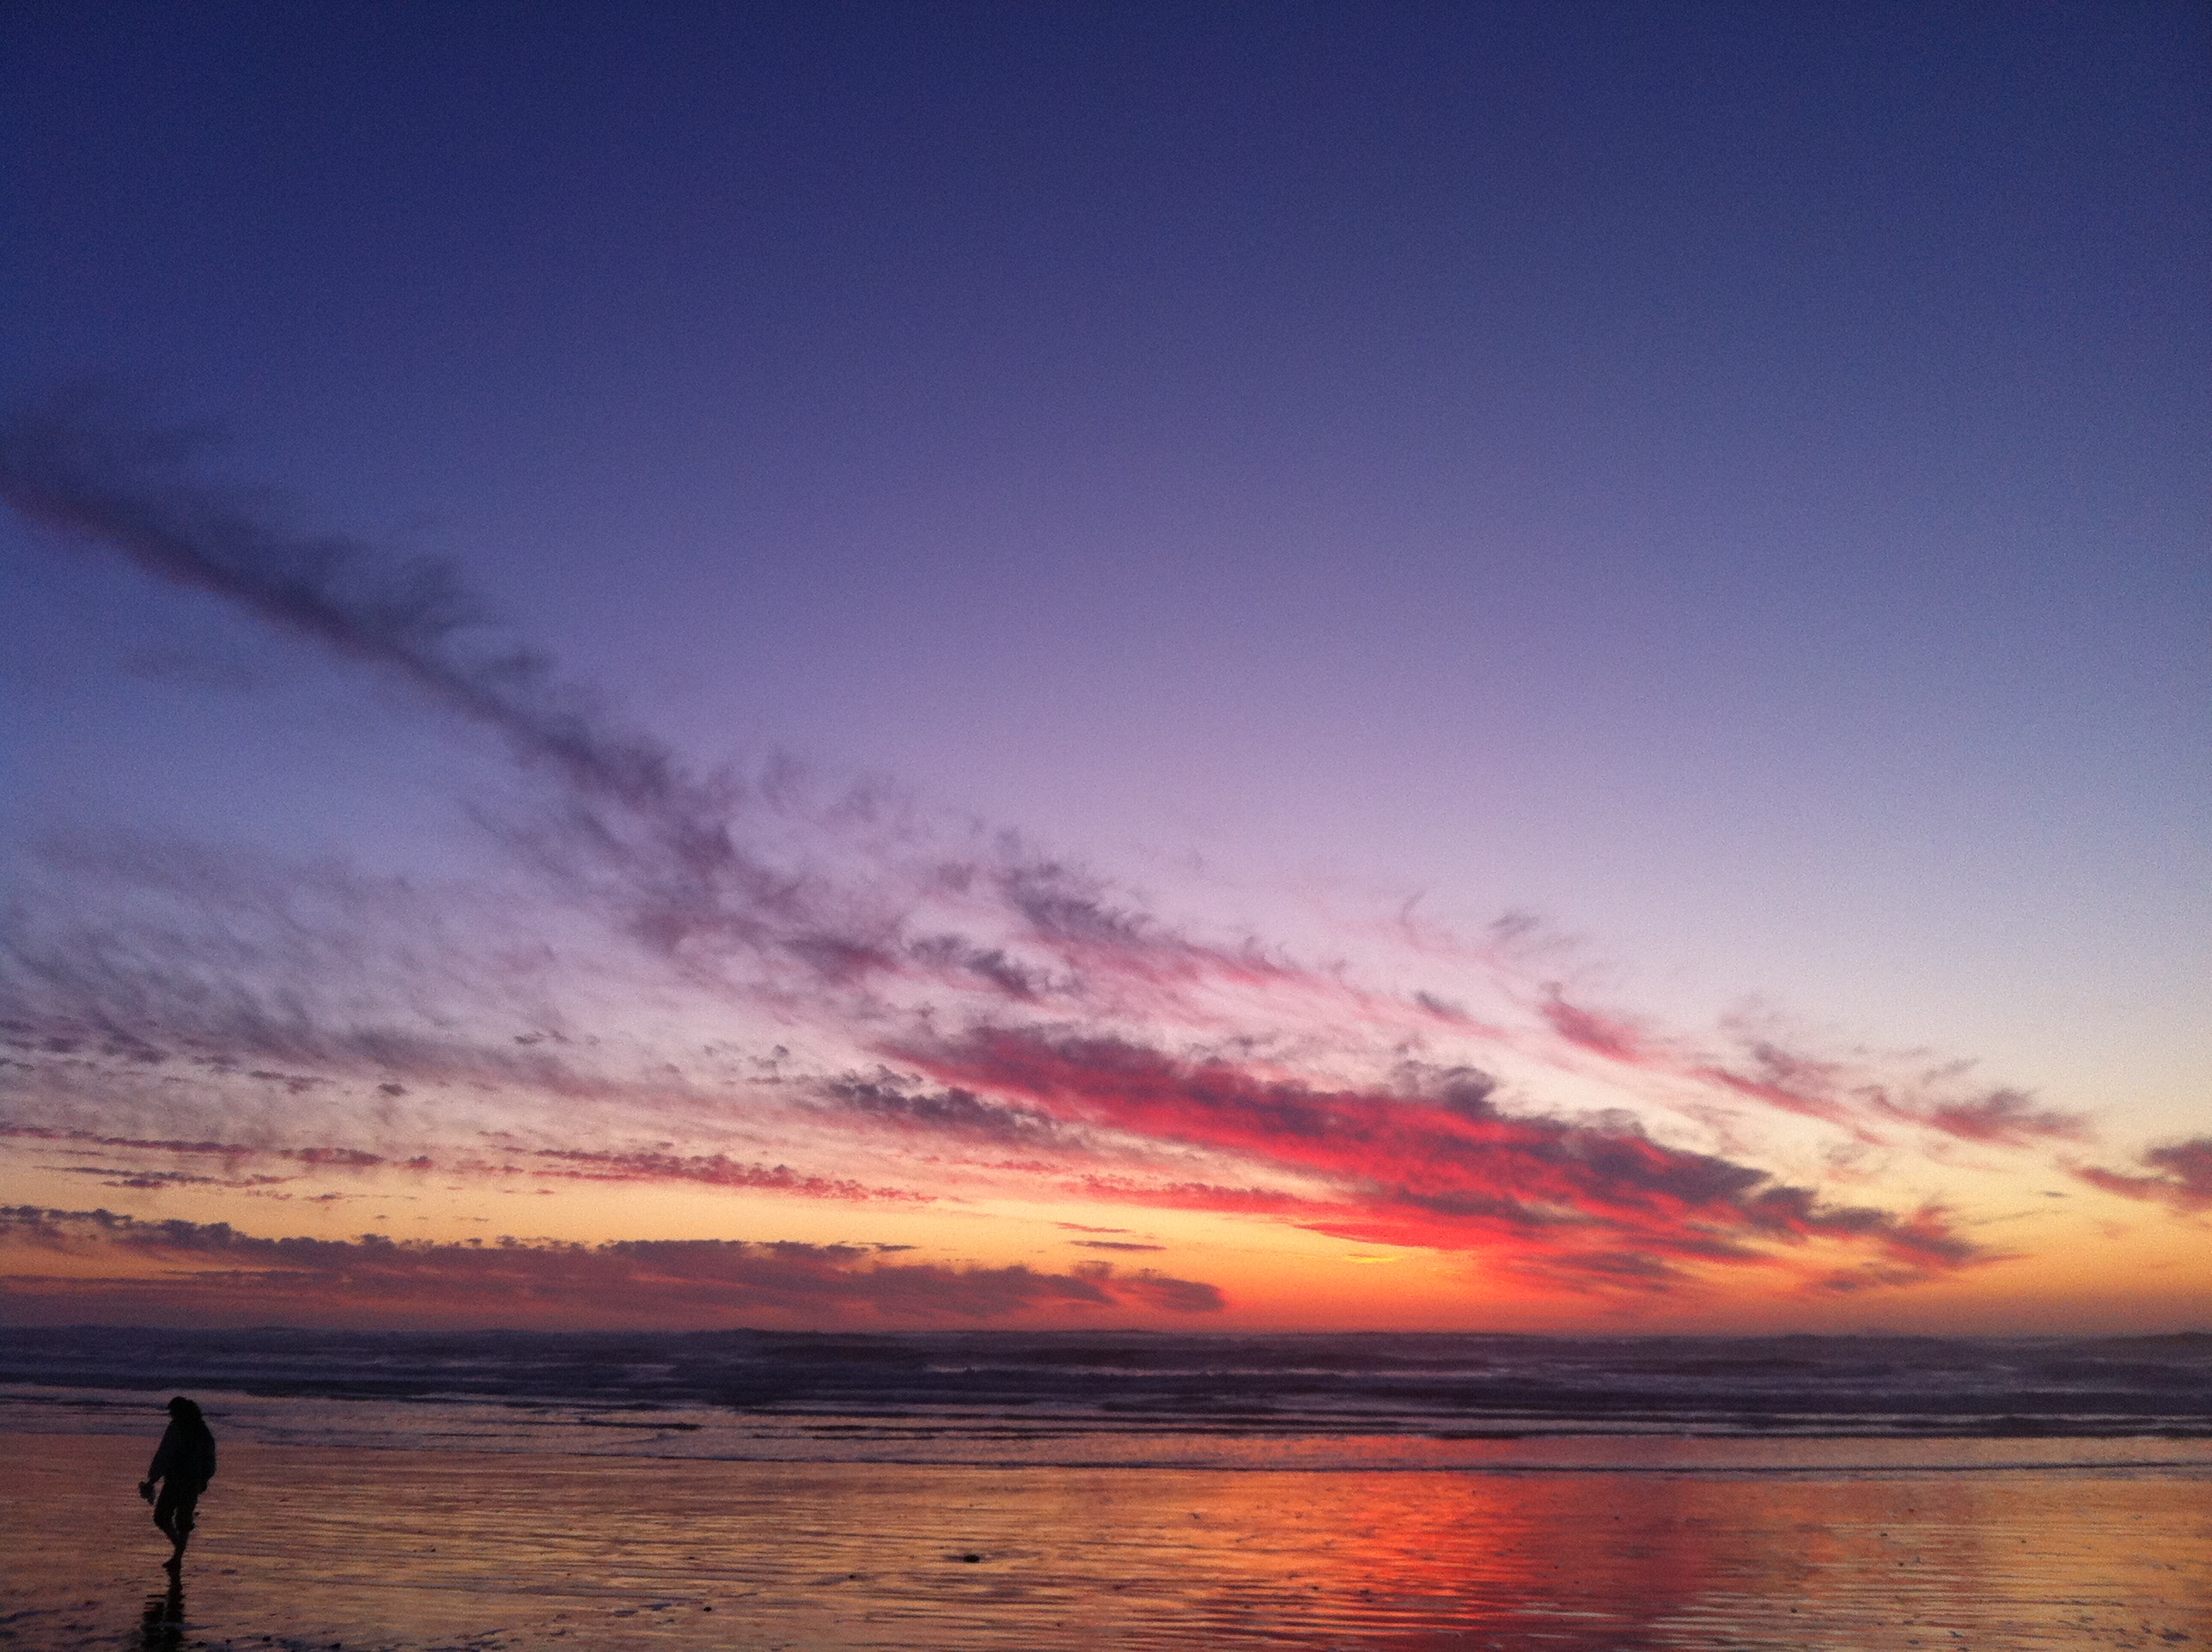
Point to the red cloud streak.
(1437, 1165)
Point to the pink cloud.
(1615, 1037)
(2180, 1176)
(1845, 1094)
(2002, 1118)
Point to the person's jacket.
(186, 1457)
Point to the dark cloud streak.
(209, 1273)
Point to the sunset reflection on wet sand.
(412, 1550)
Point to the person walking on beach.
(184, 1463)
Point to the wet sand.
(368, 1551)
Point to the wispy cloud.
(1855, 1094)
(709, 1169)
(99, 1266)
(2179, 1175)
(737, 880)
(1019, 1009)
(154, 1164)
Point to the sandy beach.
(357, 1549)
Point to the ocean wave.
(1122, 1398)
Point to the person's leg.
(173, 1515)
(186, 1517)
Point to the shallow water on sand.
(305, 1547)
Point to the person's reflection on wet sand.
(183, 1465)
(161, 1629)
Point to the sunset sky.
(1522, 667)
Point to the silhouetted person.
(184, 1463)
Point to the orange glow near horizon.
(2053, 1276)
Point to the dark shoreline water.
(1023, 1385)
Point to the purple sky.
(1729, 482)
